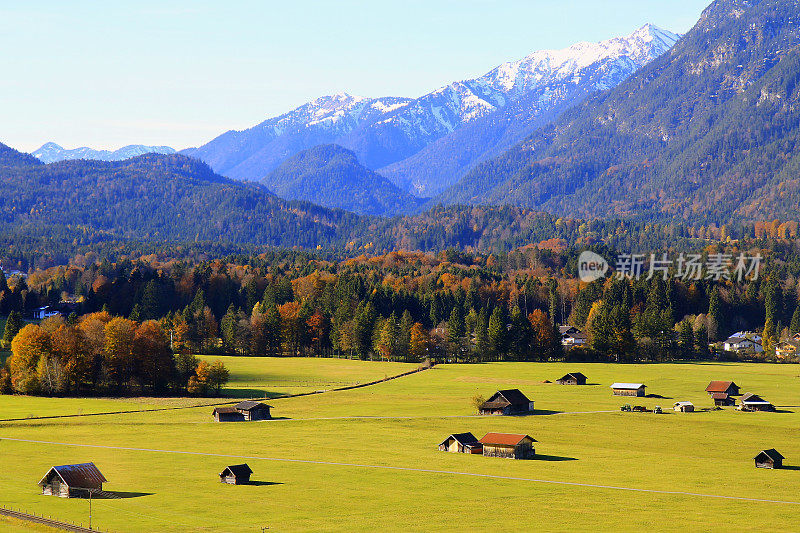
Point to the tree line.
(100, 353)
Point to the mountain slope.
(155, 197)
(541, 86)
(384, 131)
(51, 152)
(710, 131)
(331, 176)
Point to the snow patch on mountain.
(51, 152)
(383, 131)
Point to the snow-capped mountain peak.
(383, 131)
(546, 66)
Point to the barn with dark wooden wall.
(506, 402)
(508, 445)
(461, 443)
(72, 481)
(769, 459)
(573, 378)
(236, 474)
(754, 402)
(227, 414)
(252, 410)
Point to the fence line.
(67, 526)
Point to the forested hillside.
(708, 132)
(152, 197)
(331, 176)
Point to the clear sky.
(178, 73)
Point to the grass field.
(366, 459)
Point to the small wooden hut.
(506, 402)
(683, 407)
(252, 410)
(573, 378)
(72, 481)
(754, 402)
(236, 474)
(769, 459)
(628, 389)
(461, 443)
(227, 414)
(508, 445)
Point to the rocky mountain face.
(708, 131)
(385, 131)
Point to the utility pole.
(90, 508)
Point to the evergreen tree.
(483, 348)
(715, 315)
(686, 338)
(228, 329)
(794, 326)
(13, 325)
(498, 333)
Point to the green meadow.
(367, 459)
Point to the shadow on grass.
(248, 393)
(537, 412)
(117, 495)
(658, 396)
(543, 457)
(264, 483)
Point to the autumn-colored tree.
(418, 343)
(118, 356)
(29, 345)
(290, 326)
(218, 376)
(545, 342)
(70, 346)
(317, 329)
(153, 357)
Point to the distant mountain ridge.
(708, 132)
(383, 131)
(153, 197)
(331, 176)
(51, 152)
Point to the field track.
(421, 470)
(232, 402)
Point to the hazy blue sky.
(106, 74)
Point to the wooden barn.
(754, 402)
(683, 407)
(628, 389)
(72, 481)
(723, 399)
(769, 459)
(252, 410)
(461, 443)
(727, 387)
(506, 402)
(227, 414)
(235, 475)
(573, 378)
(508, 445)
